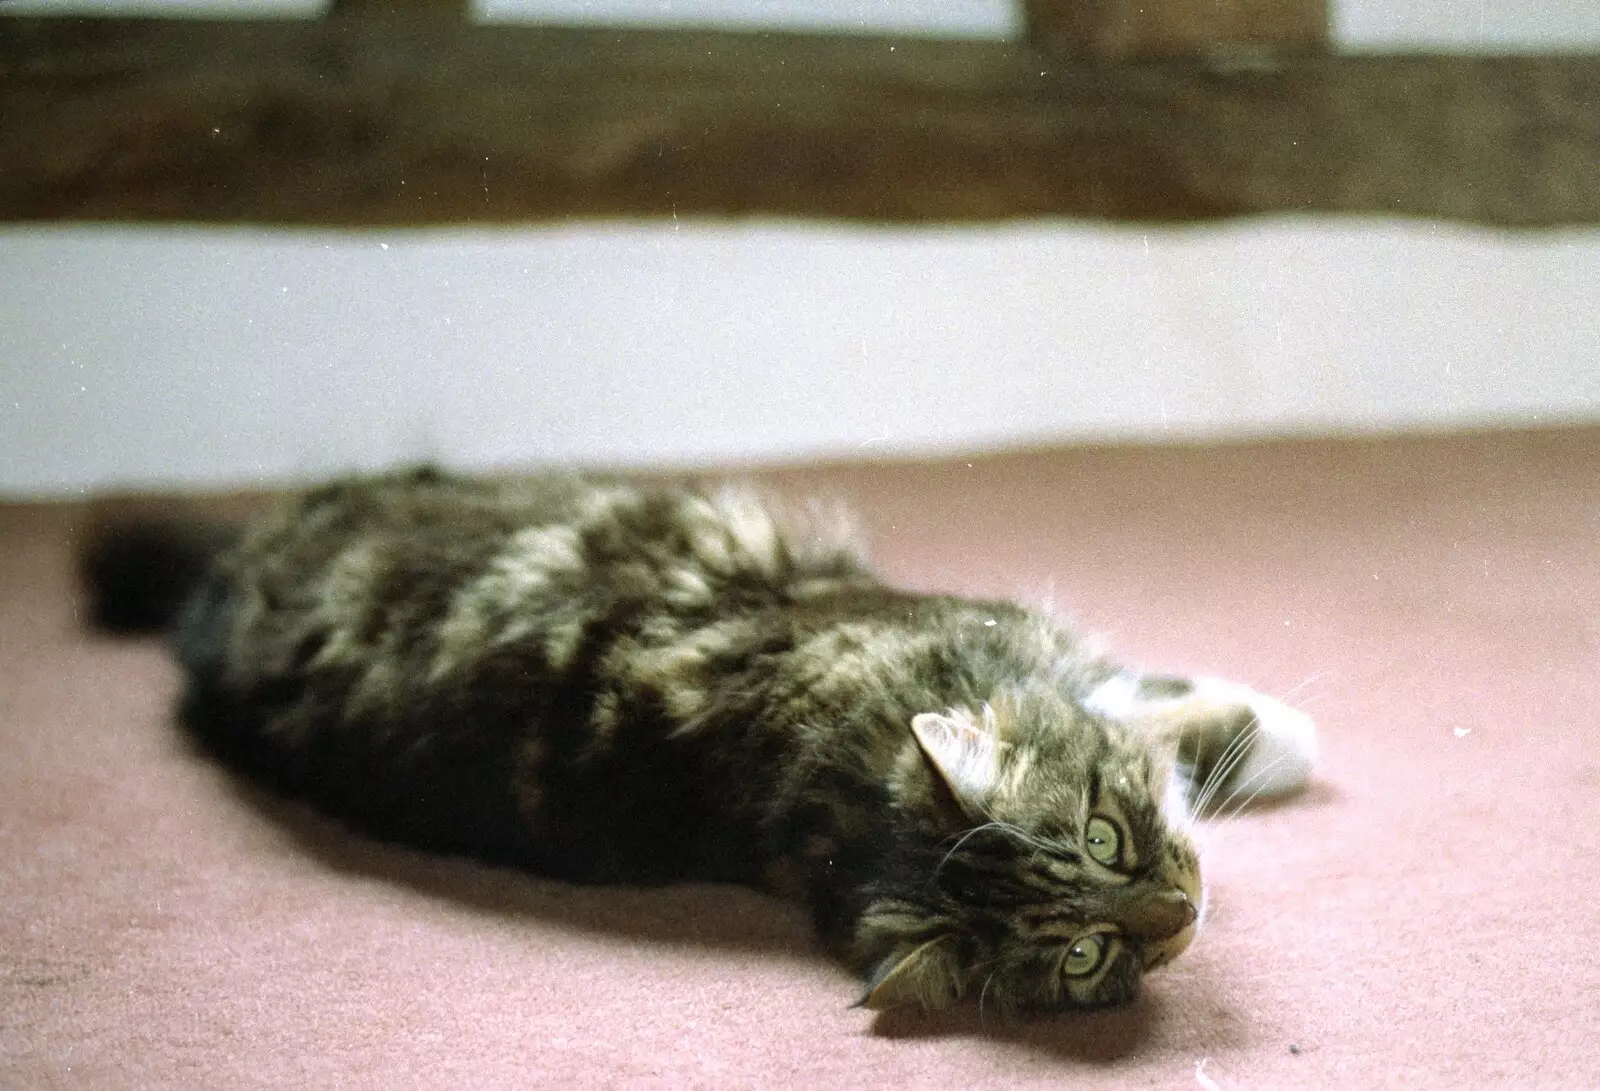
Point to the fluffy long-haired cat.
(618, 684)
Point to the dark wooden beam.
(415, 119)
(361, 9)
(1182, 28)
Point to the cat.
(614, 683)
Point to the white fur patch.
(1117, 698)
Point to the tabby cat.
(609, 683)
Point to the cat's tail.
(139, 575)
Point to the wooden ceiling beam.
(1176, 28)
(416, 118)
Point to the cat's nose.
(1157, 914)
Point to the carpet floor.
(1419, 917)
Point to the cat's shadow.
(689, 914)
(1317, 793)
(1092, 1037)
(714, 917)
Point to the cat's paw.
(1282, 747)
(1232, 742)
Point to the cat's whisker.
(983, 994)
(1234, 753)
(1036, 843)
(1292, 690)
(1224, 816)
(1225, 820)
(1217, 821)
(1224, 764)
(963, 838)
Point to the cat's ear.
(926, 976)
(964, 754)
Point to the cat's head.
(1045, 867)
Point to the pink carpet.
(1426, 915)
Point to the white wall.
(144, 357)
(155, 356)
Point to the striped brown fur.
(610, 683)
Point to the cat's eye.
(1103, 841)
(1084, 957)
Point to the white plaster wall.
(148, 357)
(140, 357)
